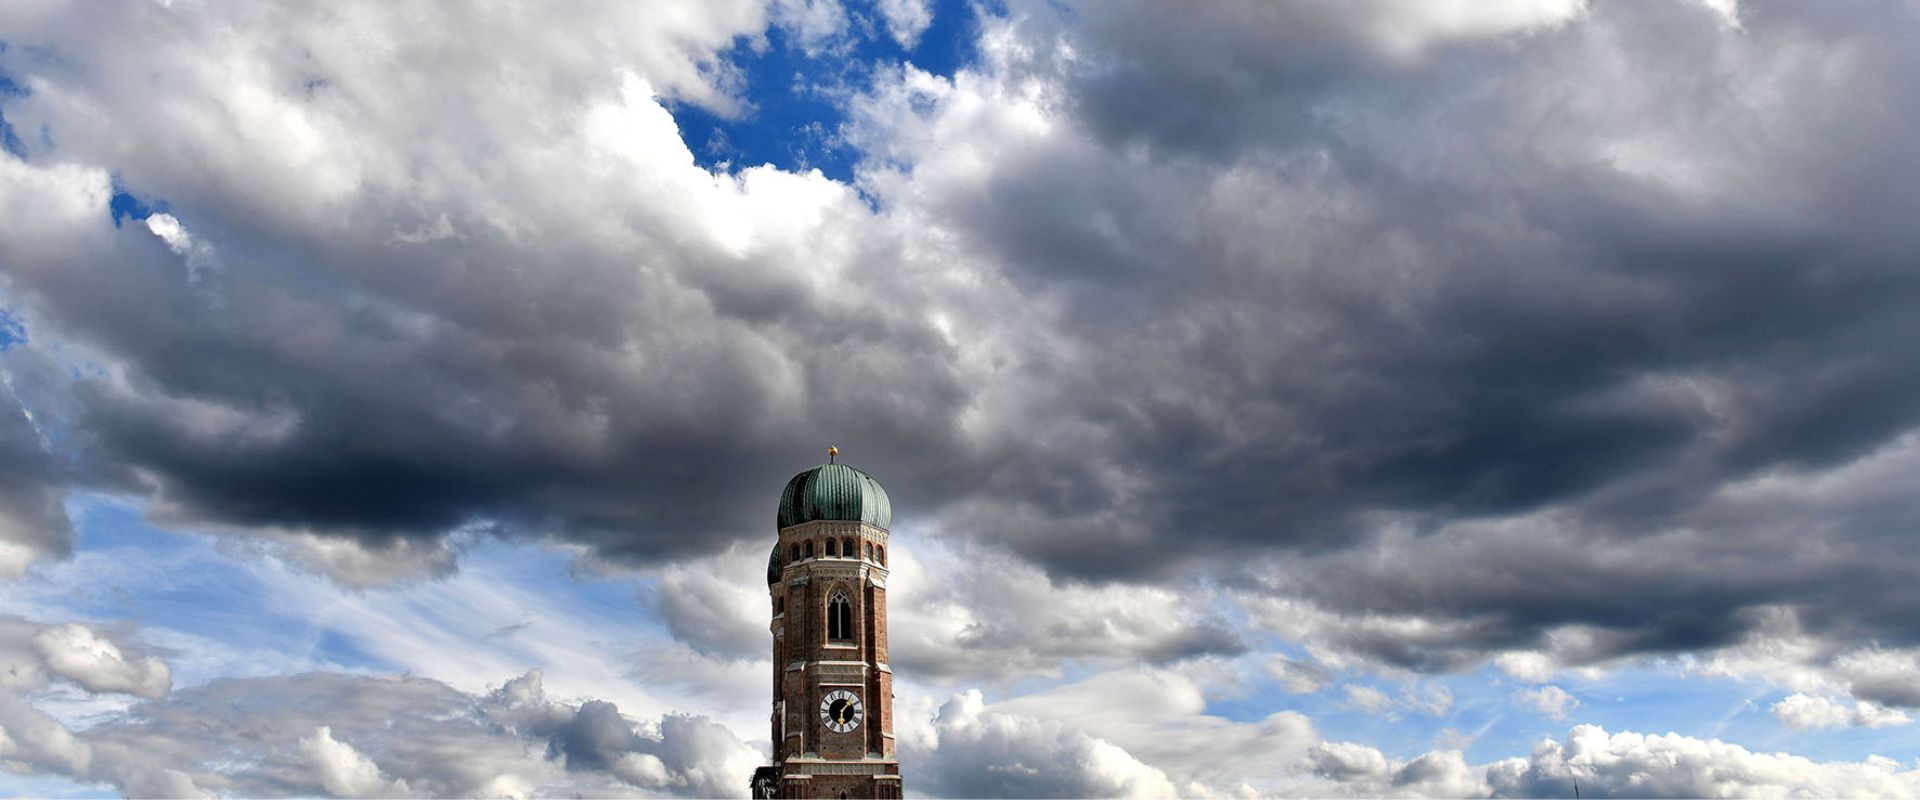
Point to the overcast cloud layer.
(1410, 340)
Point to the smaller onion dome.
(773, 565)
(834, 492)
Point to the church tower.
(832, 689)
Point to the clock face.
(841, 711)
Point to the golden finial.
(831, 453)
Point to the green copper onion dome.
(834, 492)
(773, 565)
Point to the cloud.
(1671, 765)
(1806, 712)
(353, 563)
(170, 231)
(1160, 717)
(1296, 676)
(1551, 702)
(1607, 765)
(979, 615)
(1433, 700)
(73, 651)
(1358, 770)
(710, 607)
(906, 20)
(354, 736)
(424, 446)
(984, 754)
(37, 654)
(341, 770)
(39, 740)
(1368, 699)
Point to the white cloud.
(1552, 702)
(1679, 766)
(979, 614)
(906, 19)
(343, 771)
(1368, 699)
(75, 652)
(1429, 699)
(34, 654)
(368, 736)
(1346, 761)
(816, 25)
(991, 754)
(1159, 716)
(1405, 28)
(1807, 712)
(1527, 666)
(170, 231)
(1349, 769)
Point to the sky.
(1379, 398)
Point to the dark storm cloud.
(1611, 268)
(1460, 327)
(354, 365)
(1257, 279)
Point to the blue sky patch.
(126, 205)
(12, 330)
(798, 100)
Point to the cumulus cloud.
(978, 615)
(76, 652)
(1807, 712)
(1624, 764)
(1551, 702)
(352, 736)
(343, 771)
(985, 754)
(169, 230)
(1633, 764)
(1355, 769)
(37, 654)
(1160, 717)
(906, 19)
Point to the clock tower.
(832, 688)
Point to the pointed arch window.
(839, 618)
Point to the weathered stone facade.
(818, 563)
